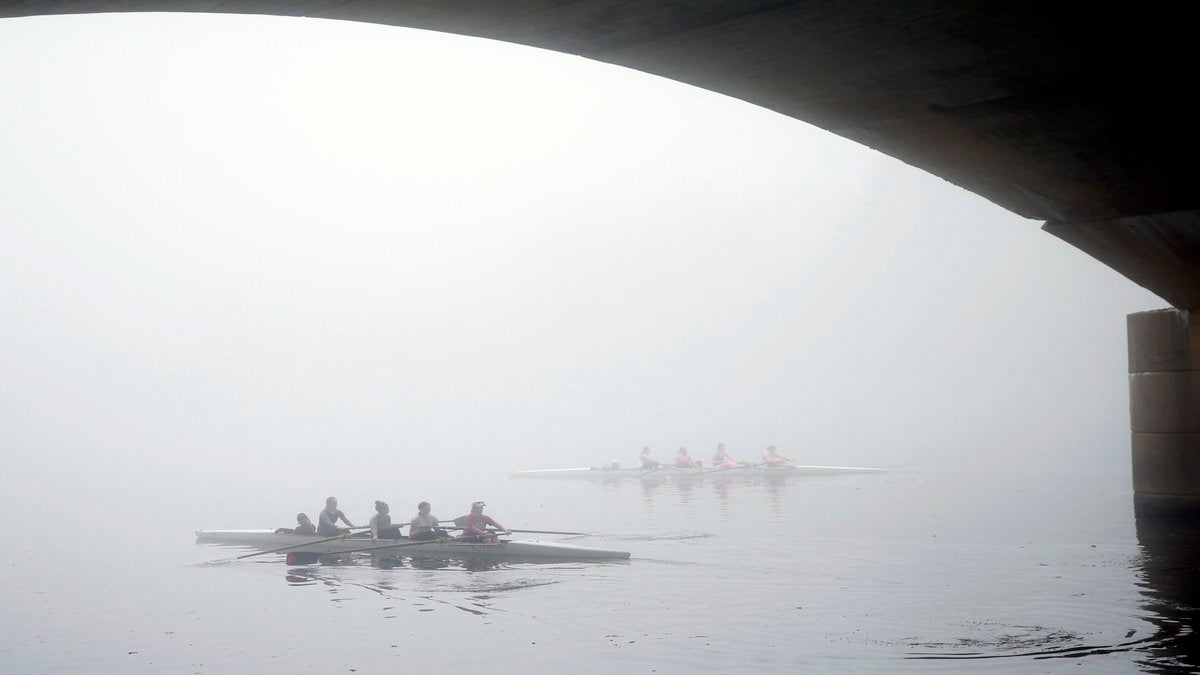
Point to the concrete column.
(1164, 403)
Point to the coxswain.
(303, 526)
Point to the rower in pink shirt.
(684, 461)
(475, 526)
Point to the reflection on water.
(1168, 578)
(301, 577)
(728, 491)
(1026, 642)
(472, 594)
(1031, 568)
(1169, 535)
(399, 562)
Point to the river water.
(1022, 568)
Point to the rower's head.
(477, 507)
(423, 507)
(720, 447)
(302, 519)
(331, 503)
(645, 449)
(771, 449)
(381, 507)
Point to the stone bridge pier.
(1164, 406)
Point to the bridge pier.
(1164, 405)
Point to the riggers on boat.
(532, 549)
(670, 471)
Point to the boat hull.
(669, 472)
(506, 549)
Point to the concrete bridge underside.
(1073, 116)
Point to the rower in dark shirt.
(330, 515)
(303, 526)
(381, 523)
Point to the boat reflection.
(470, 565)
(1169, 535)
(389, 562)
(301, 576)
(298, 575)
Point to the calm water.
(1033, 568)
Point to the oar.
(577, 534)
(702, 472)
(580, 534)
(285, 548)
(660, 467)
(388, 547)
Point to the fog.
(240, 251)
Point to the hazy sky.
(233, 241)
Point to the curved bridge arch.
(1052, 112)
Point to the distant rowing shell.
(598, 473)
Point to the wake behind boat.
(532, 549)
(755, 470)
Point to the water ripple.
(1036, 642)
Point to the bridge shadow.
(1169, 570)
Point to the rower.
(303, 526)
(648, 462)
(381, 523)
(771, 457)
(684, 461)
(425, 525)
(721, 459)
(475, 526)
(330, 515)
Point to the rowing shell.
(533, 549)
(593, 472)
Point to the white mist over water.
(250, 262)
